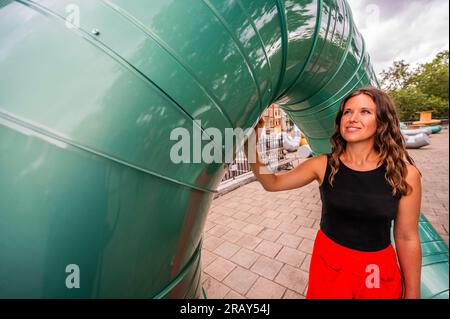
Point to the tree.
(422, 89)
(411, 100)
(432, 78)
(397, 77)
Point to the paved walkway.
(259, 244)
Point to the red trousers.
(338, 272)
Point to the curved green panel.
(435, 263)
(86, 117)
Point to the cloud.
(413, 31)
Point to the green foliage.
(396, 77)
(432, 78)
(422, 89)
(411, 100)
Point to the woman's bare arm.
(406, 236)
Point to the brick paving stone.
(284, 208)
(219, 268)
(233, 235)
(255, 219)
(229, 212)
(245, 257)
(291, 256)
(220, 209)
(212, 217)
(289, 294)
(304, 221)
(306, 232)
(266, 267)
(252, 229)
(207, 257)
(306, 263)
(433, 212)
(299, 203)
(237, 224)
(240, 280)
(316, 225)
(203, 277)
(234, 295)
(289, 228)
(259, 198)
(218, 201)
(271, 213)
(292, 278)
(313, 205)
(268, 248)
(281, 202)
(241, 216)
(271, 206)
(230, 204)
(208, 225)
(315, 214)
(226, 249)
(282, 195)
(265, 289)
(270, 234)
(214, 289)
(289, 240)
(222, 220)
(243, 207)
(286, 217)
(249, 241)
(259, 204)
(306, 245)
(212, 242)
(228, 197)
(302, 212)
(218, 230)
(270, 223)
(256, 210)
(247, 201)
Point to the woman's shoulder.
(413, 173)
(316, 163)
(320, 163)
(413, 179)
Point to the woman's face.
(359, 119)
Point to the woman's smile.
(352, 129)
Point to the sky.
(408, 30)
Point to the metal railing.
(270, 150)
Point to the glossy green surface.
(435, 263)
(435, 128)
(86, 119)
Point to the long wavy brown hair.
(389, 141)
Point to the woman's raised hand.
(260, 125)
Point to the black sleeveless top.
(358, 210)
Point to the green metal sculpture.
(91, 205)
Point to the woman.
(366, 182)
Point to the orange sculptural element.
(425, 119)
